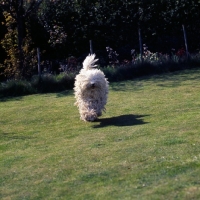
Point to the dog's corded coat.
(91, 90)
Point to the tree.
(182, 14)
(16, 13)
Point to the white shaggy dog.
(91, 90)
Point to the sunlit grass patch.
(146, 145)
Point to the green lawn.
(146, 146)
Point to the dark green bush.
(65, 81)
(16, 88)
(53, 83)
(142, 69)
(44, 84)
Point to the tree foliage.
(17, 42)
(64, 27)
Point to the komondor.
(91, 90)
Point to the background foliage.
(61, 28)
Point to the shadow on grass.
(4, 99)
(64, 93)
(168, 79)
(13, 136)
(174, 79)
(122, 120)
(123, 86)
(18, 98)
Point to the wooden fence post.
(91, 48)
(185, 39)
(39, 67)
(140, 43)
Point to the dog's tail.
(89, 62)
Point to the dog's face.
(93, 80)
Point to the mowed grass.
(146, 146)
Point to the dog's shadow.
(122, 120)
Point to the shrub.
(16, 88)
(18, 64)
(45, 83)
(53, 83)
(65, 80)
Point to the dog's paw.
(89, 116)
